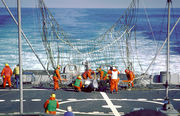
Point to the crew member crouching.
(78, 84)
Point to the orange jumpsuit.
(103, 74)
(130, 75)
(114, 80)
(87, 74)
(56, 77)
(6, 73)
(47, 103)
(78, 84)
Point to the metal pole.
(168, 49)
(20, 58)
(25, 38)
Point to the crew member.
(114, 80)
(87, 74)
(78, 84)
(130, 76)
(103, 74)
(6, 74)
(16, 74)
(103, 80)
(110, 73)
(69, 111)
(56, 77)
(51, 104)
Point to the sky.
(92, 3)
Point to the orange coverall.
(78, 87)
(87, 74)
(103, 74)
(130, 75)
(114, 80)
(7, 72)
(46, 104)
(56, 77)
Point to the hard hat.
(114, 67)
(6, 64)
(53, 95)
(79, 77)
(126, 70)
(58, 66)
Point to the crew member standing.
(16, 73)
(56, 78)
(87, 74)
(51, 104)
(114, 80)
(6, 74)
(78, 84)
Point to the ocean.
(87, 24)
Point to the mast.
(20, 57)
(168, 49)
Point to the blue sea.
(81, 25)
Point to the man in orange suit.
(87, 74)
(51, 104)
(6, 74)
(56, 78)
(130, 76)
(114, 80)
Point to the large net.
(111, 48)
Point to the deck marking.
(142, 99)
(16, 100)
(23, 89)
(158, 99)
(34, 100)
(176, 99)
(116, 106)
(100, 113)
(2, 100)
(110, 104)
(168, 89)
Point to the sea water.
(86, 24)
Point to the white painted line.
(110, 113)
(23, 89)
(16, 113)
(176, 99)
(158, 99)
(110, 104)
(142, 99)
(2, 100)
(34, 100)
(168, 89)
(106, 106)
(16, 100)
(71, 99)
(124, 99)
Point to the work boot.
(10, 87)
